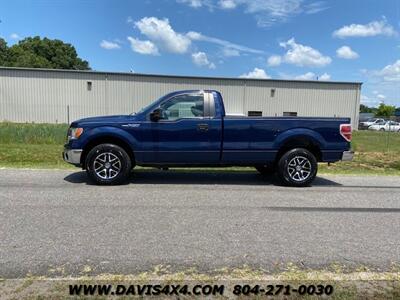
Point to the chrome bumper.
(347, 155)
(72, 156)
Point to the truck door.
(188, 132)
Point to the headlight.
(74, 133)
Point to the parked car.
(386, 126)
(373, 121)
(191, 129)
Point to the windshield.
(371, 120)
(145, 108)
(153, 103)
(149, 105)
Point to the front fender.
(296, 133)
(109, 131)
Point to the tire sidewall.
(126, 164)
(283, 167)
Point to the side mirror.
(156, 115)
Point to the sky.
(337, 40)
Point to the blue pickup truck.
(191, 129)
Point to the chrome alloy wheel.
(299, 168)
(107, 165)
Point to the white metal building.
(59, 96)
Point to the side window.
(183, 106)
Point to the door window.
(183, 106)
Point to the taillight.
(345, 131)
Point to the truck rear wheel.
(297, 167)
(108, 164)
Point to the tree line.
(35, 52)
(382, 110)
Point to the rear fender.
(300, 133)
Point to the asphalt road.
(53, 223)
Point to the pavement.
(53, 223)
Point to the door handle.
(202, 127)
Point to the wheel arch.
(107, 139)
(300, 141)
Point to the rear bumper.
(347, 155)
(72, 156)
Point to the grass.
(32, 156)
(376, 153)
(358, 284)
(25, 133)
(373, 141)
(40, 146)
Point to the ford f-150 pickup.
(191, 129)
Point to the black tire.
(117, 170)
(290, 174)
(382, 129)
(265, 170)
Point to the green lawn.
(376, 153)
(32, 145)
(373, 141)
(40, 146)
(32, 156)
(25, 133)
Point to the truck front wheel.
(297, 167)
(108, 164)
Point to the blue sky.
(339, 40)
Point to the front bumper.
(72, 156)
(347, 155)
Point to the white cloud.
(269, 12)
(309, 76)
(315, 7)
(346, 52)
(371, 29)
(193, 3)
(197, 36)
(163, 35)
(325, 77)
(109, 45)
(303, 56)
(227, 4)
(306, 76)
(15, 36)
(266, 12)
(143, 47)
(256, 73)
(390, 72)
(369, 101)
(274, 60)
(229, 52)
(200, 59)
(381, 97)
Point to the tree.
(3, 52)
(385, 110)
(42, 53)
(365, 109)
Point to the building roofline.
(175, 76)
